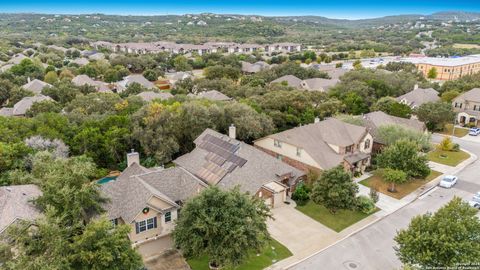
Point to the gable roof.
(315, 139)
(135, 78)
(15, 204)
(36, 86)
(219, 160)
(472, 95)
(375, 120)
(133, 189)
(318, 84)
(420, 96)
(150, 95)
(291, 80)
(21, 107)
(255, 67)
(211, 95)
(81, 61)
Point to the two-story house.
(419, 96)
(321, 146)
(467, 107)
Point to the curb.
(467, 162)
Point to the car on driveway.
(474, 131)
(448, 181)
(475, 201)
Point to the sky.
(345, 9)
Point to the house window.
(114, 222)
(458, 105)
(367, 144)
(277, 143)
(348, 149)
(145, 225)
(168, 217)
(299, 152)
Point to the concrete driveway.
(298, 232)
(372, 248)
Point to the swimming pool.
(106, 179)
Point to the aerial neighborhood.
(214, 141)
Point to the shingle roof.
(258, 170)
(211, 95)
(135, 78)
(472, 95)
(150, 95)
(420, 96)
(15, 204)
(21, 107)
(291, 80)
(132, 190)
(36, 86)
(315, 139)
(255, 67)
(81, 61)
(318, 84)
(374, 120)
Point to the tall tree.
(335, 190)
(223, 225)
(447, 238)
(435, 114)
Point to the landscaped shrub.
(365, 204)
(446, 144)
(374, 194)
(456, 147)
(301, 194)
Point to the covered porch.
(468, 119)
(357, 162)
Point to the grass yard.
(402, 190)
(273, 253)
(338, 221)
(449, 158)
(466, 46)
(459, 131)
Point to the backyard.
(402, 189)
(338, 221)
(272, 253)
(450, 158)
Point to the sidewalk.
(387, 204)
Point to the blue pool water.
(106, 179)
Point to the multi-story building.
(447, 68)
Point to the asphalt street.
(372, 248)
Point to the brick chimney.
(133, 157)
(232, 131)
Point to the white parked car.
(475, 202)
(474, 131)
(448, 181)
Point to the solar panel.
(215, 158)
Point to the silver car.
(448, 181)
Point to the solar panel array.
(220, 160)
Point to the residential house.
(318, 84)
(16, 204)
(289, 80)
(36, 86)
(255, 67)
(419, 96)
(321, 146)
(226, 162)
(148, 96)
(173, 78)
(80, 61)
(82, 79)
(149, 200)
(467, 107)
(17, 58)
(213, 95)
(134, 78)
(20, 108)
(374, 120)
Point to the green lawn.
(338, 221)
(402, 190)
(449, 158)
(459, 132)
(273, 253)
